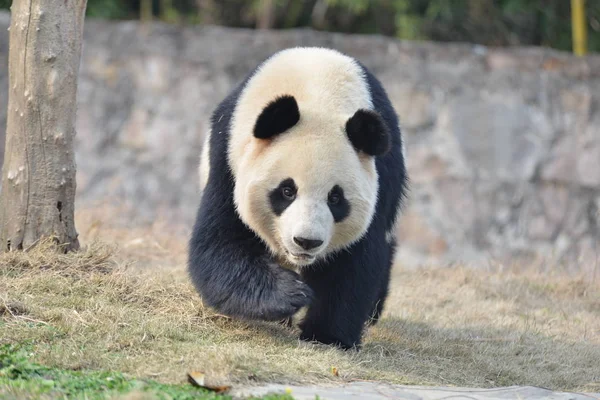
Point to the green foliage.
(107, 9)
(20, 377)
(487, 22)
(354, 6)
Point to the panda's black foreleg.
(346, 289)
(232, 270)
(242, 286)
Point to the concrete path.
(377, 391)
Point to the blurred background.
(486, 22)
(499, 102)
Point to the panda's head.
(306, 183)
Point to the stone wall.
(503, 145)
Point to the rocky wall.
(503, 145)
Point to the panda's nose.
(307, 244)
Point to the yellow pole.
(578, 27)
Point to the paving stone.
(381, 391)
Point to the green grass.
(21, 378)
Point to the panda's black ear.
(369, 133)
(277, 117)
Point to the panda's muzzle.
(304, 258)
(307, 244)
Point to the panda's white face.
(307, 192)
(302, 150)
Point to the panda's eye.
(288, 193)
(338, 204)
(333, 199)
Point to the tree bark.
(38, 175)
(318, 14)
(266, 14)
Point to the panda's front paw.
(288, 295)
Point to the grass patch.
(92, 311)
(20, 378)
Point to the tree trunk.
(146, 10)
(38, 176)
(266, 14)
(318, 14)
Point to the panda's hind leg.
(379, 305)
(383, 291)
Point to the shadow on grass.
(413, 352)
(482, 356)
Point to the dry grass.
(455, 326)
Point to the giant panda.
(302, 178)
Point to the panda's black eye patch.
(338, 204)
(283, 195)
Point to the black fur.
(342, 209)
(393, 187)
(231, 268)
(277, 117)
(228, 265)
(368, 132)
(278, 201)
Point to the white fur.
(204, 166)
(391, 234)
(404, 150)
(329, 88)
